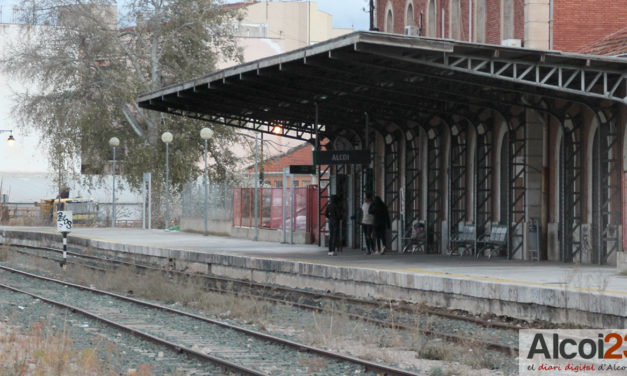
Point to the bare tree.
(87, 64)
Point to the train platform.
(569, 293)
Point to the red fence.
(271, 208)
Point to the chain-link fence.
(220, 201)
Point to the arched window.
(432, 20)
(507, 19)
(455, 20)
(388, 27)
(389, 21)
(409, 16)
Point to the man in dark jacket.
(334, 215)
(381, 224)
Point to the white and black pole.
(64, 226)
(64, 248)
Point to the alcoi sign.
(341, 157)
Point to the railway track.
(238, 349)
(396, 315)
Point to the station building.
(563, 25)
(460, 136)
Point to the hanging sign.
(341, 157)
(303, 169)
(64, 221)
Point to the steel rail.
(381, 323)
(270, 338)
(176, 347)
(483, 323)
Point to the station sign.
(303, 169)
(64, 221)
(341, 157)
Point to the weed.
(44, 350)
(4, 253)
(314, 364)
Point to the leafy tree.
(88, 65)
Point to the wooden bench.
(493, 242)
(463, 241)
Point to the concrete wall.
(225, 228)
(527, 302)
(216, 227)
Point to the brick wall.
(399, 11)
(519, 20)
(579, 22)
(493, 21)
(300, 156)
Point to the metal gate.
(571, 189)
(412, 180)
(392, 174)
(517, 166)
(434, 190)
(483, 182)
(606, 189)
(458, 189)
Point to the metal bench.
(463, 241)
(493, 242)
(416, 239)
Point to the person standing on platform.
(367, 221)
(381, 224)
(334, 215)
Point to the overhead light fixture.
(277, 129)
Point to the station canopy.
(397, 79)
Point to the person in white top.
(367, 221)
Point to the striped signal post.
(64, 226)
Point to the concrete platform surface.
(603, 280)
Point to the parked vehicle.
(83, 210)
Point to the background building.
(267, 28)
(564, 25)
(301, 154)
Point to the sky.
(32, 159)
(346, 13)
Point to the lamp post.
(167, 137)
(113, 142)
(11, 139)
(206, 134)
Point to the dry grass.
(333, 330)
(42, 350)
(4, 253)
(314, 365)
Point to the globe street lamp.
(167, 137)
(114, 142)
(206, 134)
(11, 139)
